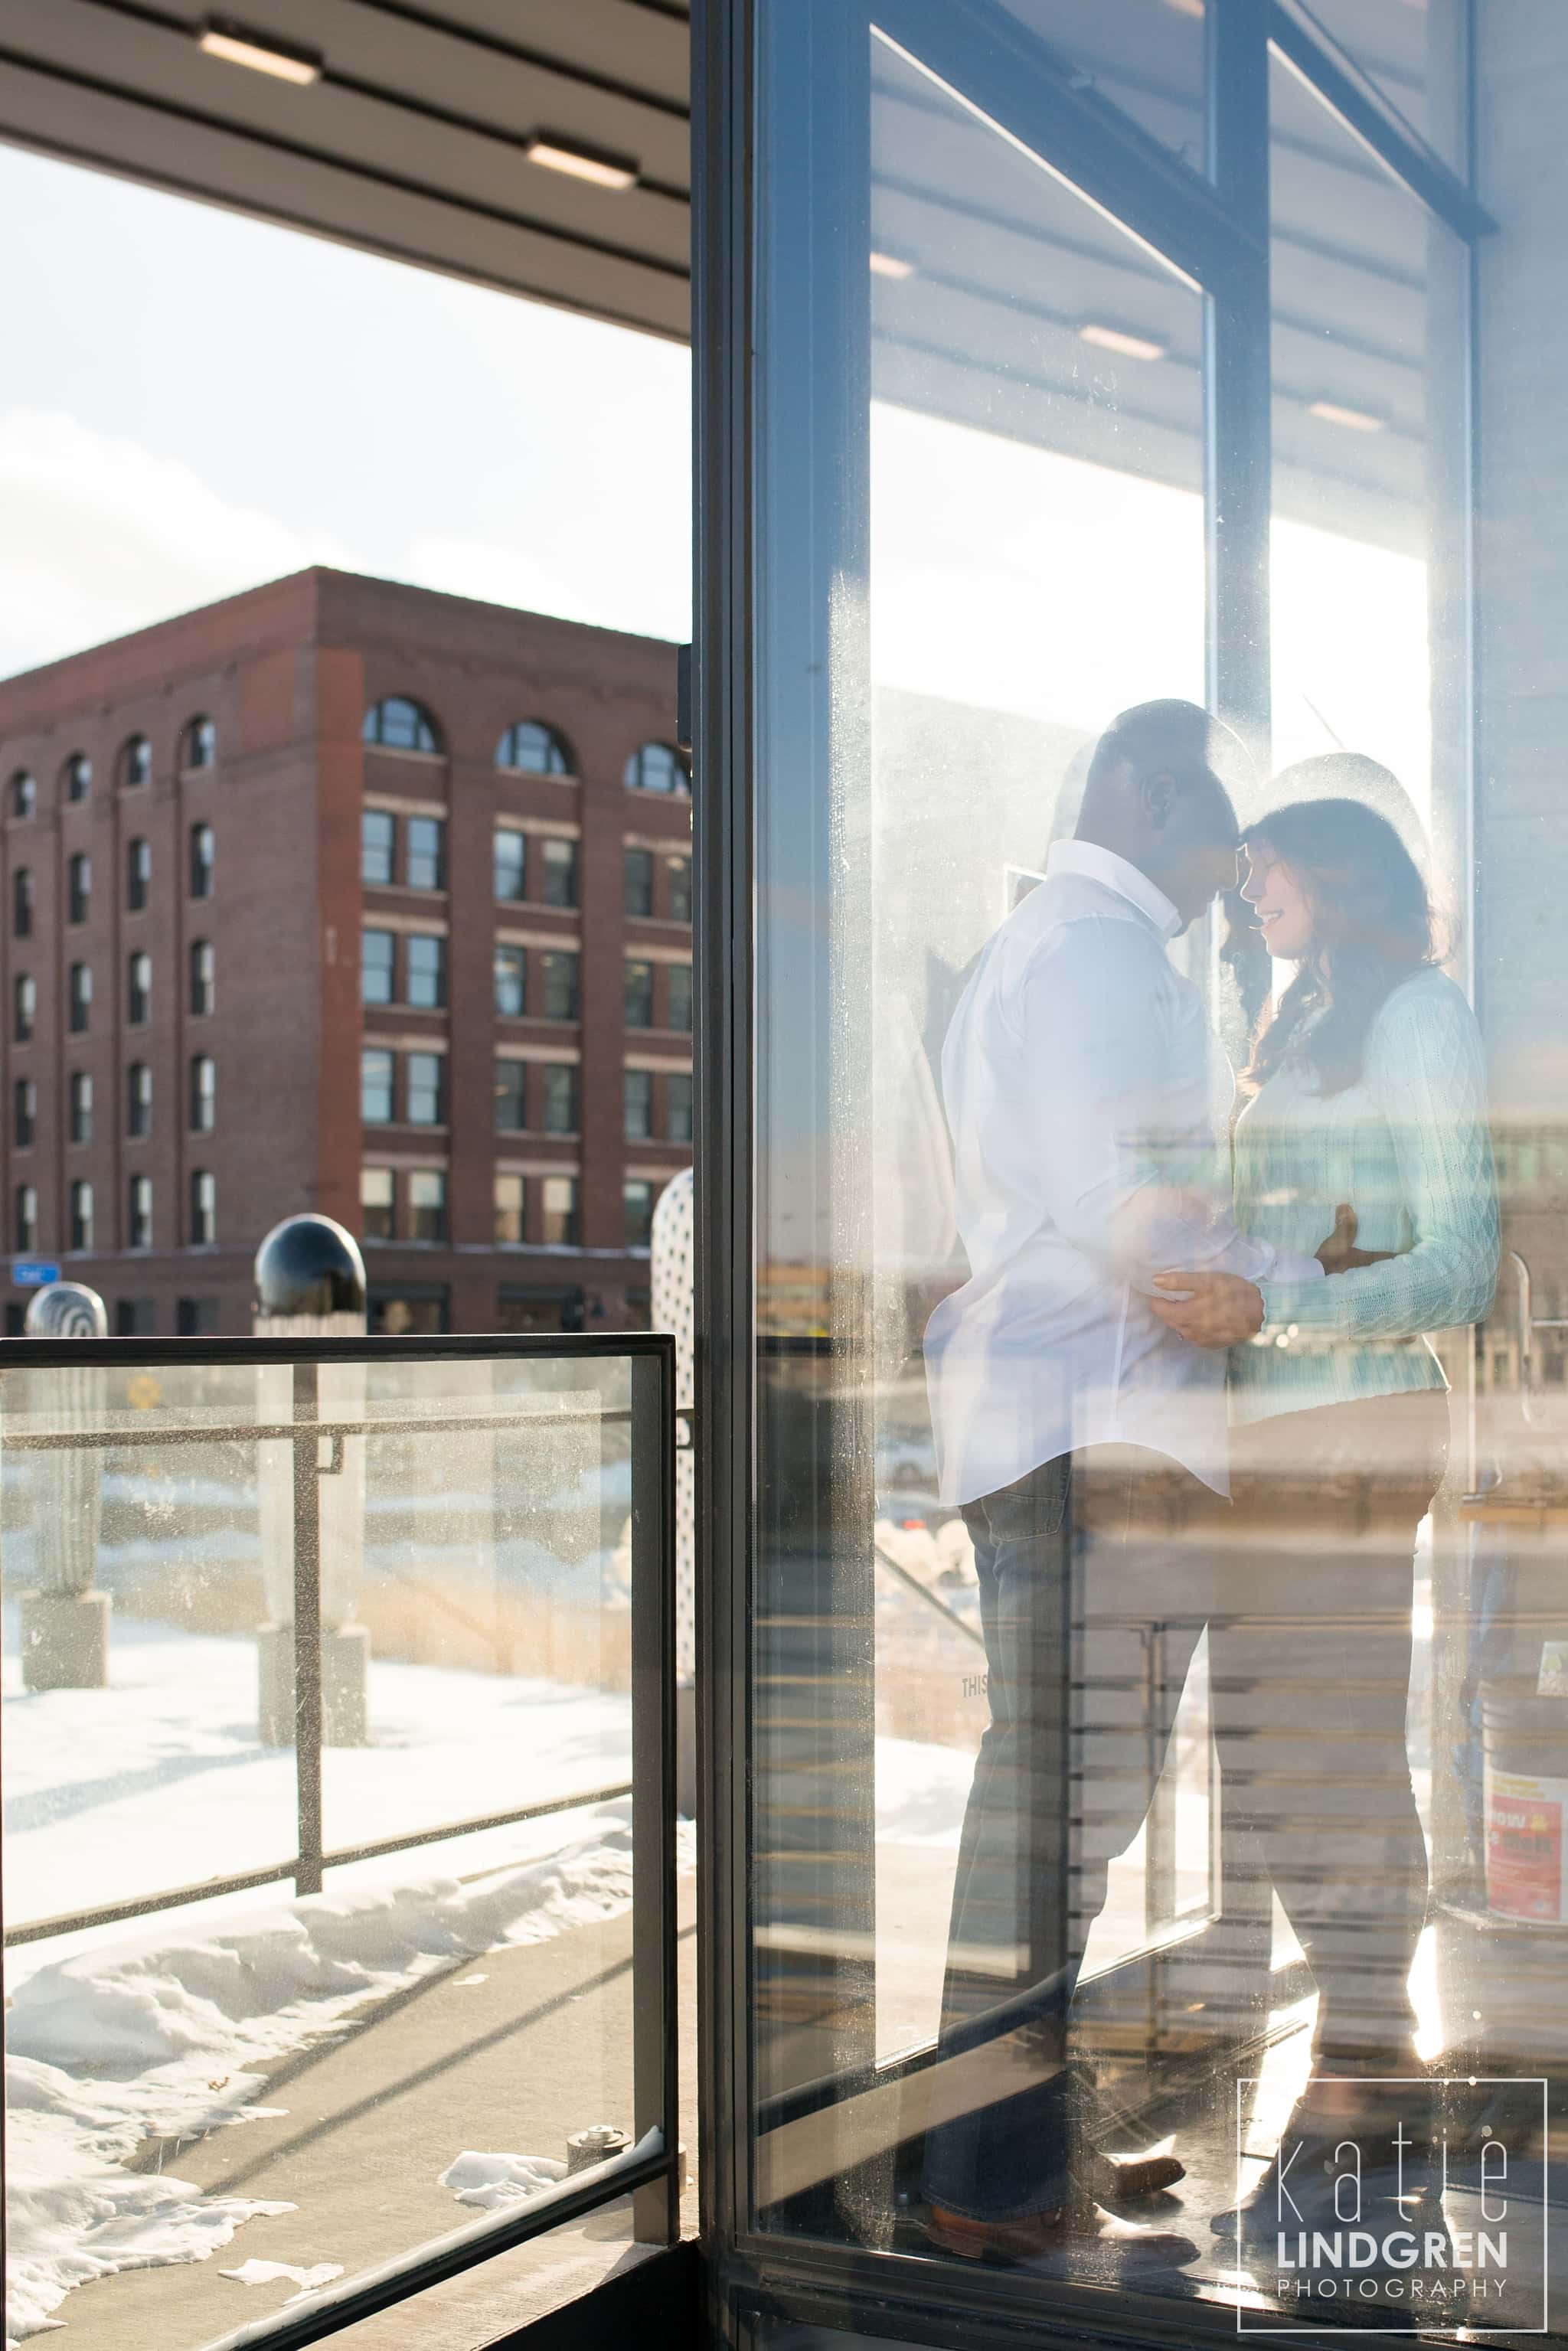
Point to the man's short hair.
(1196, 746)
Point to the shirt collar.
(1112, 872)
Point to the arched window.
(136, 761)
(656, 768)
(23, 794)
(396, 724)
(78, 774)
(199, 744)
(536, 748)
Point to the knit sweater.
(1409, 1147)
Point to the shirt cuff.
(1290, 1265)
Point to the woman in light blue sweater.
(1368, 1088)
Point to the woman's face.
(1281, 906)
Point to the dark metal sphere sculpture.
(310, 1265)
(67, 1309)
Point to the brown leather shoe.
(1035, 2236)
(1115, 2177)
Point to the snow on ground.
(254, 2273)
(494, 2182)
(118, 2034)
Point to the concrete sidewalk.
(511, 2052)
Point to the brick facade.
(285, 675)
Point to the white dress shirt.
(1088, 1101)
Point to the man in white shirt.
(1088, 1103)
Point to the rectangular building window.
(25, 1225)
(560, 1098)
(196, 1318)
(79, 887)
(203, 859)
(137, 875)
(22, 903)
(81, 999)
(426, 972)
(637, 1206)
(558, 1206)
(560, 872)
(511, 1097)
(135, 1318)
(376, 1073)
(81, 1106)
(639, 993)
(24, 1008)
(139, 989)
(426, 1089)
(139, 1213)
(427, 1204)
(637, 1105)
(559, 973)
(511, 853)
(203, 1093)
(511, 981)
(639, 881)
(680, 999)
(378, 1210)
(204, 976)
(378, 967)
(24, 1113)
(678, 1107)
(424, 853)
(511, 1201)
(678, 888)
(378, 847)
(139, 1098)
(204, 1207)
(81, 1214)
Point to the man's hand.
(1339, 1253)
(1220, 1311)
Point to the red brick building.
(345, 895)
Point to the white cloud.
(103, 536)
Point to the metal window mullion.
(1236, 380)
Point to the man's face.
(1207, 862)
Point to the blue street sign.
(31, 1273)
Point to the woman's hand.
(1339, 1252)
(1220, 1310)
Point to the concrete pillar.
(64, 1621)
(310, 1284)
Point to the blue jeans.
(1090, 1607)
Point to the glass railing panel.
(449, 1995)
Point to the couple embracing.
(1188, 1386)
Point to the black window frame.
(137, 987)
(78, 1000)
(561, 984)
(138, 1101)
(378, 1054)
(138, 874)
(78, 1114)
(375, 961)
(416, 1086)
(509, 961)
(404, 714)
(511, 1086)
(556, 754)
(516, 858)
(139, 1201)
(201, 1099)
(202, 979)
(561, 1077)
(560, 856)
(79, 888)
(424, 971)
(24, 902)
(637, 902)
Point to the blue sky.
(194, 402)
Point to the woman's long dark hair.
(1372, 920)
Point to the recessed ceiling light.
(263, 52)
(1113, 339)
(1355, 420)
(578, 162)
(888, 264)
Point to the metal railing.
(649, 2169)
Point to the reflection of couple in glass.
(1169, 1399)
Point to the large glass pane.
(291, 1989)
(1127, 1730)
(1144, 56)
(1412, 52)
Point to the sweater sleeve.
(1426, 1070)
